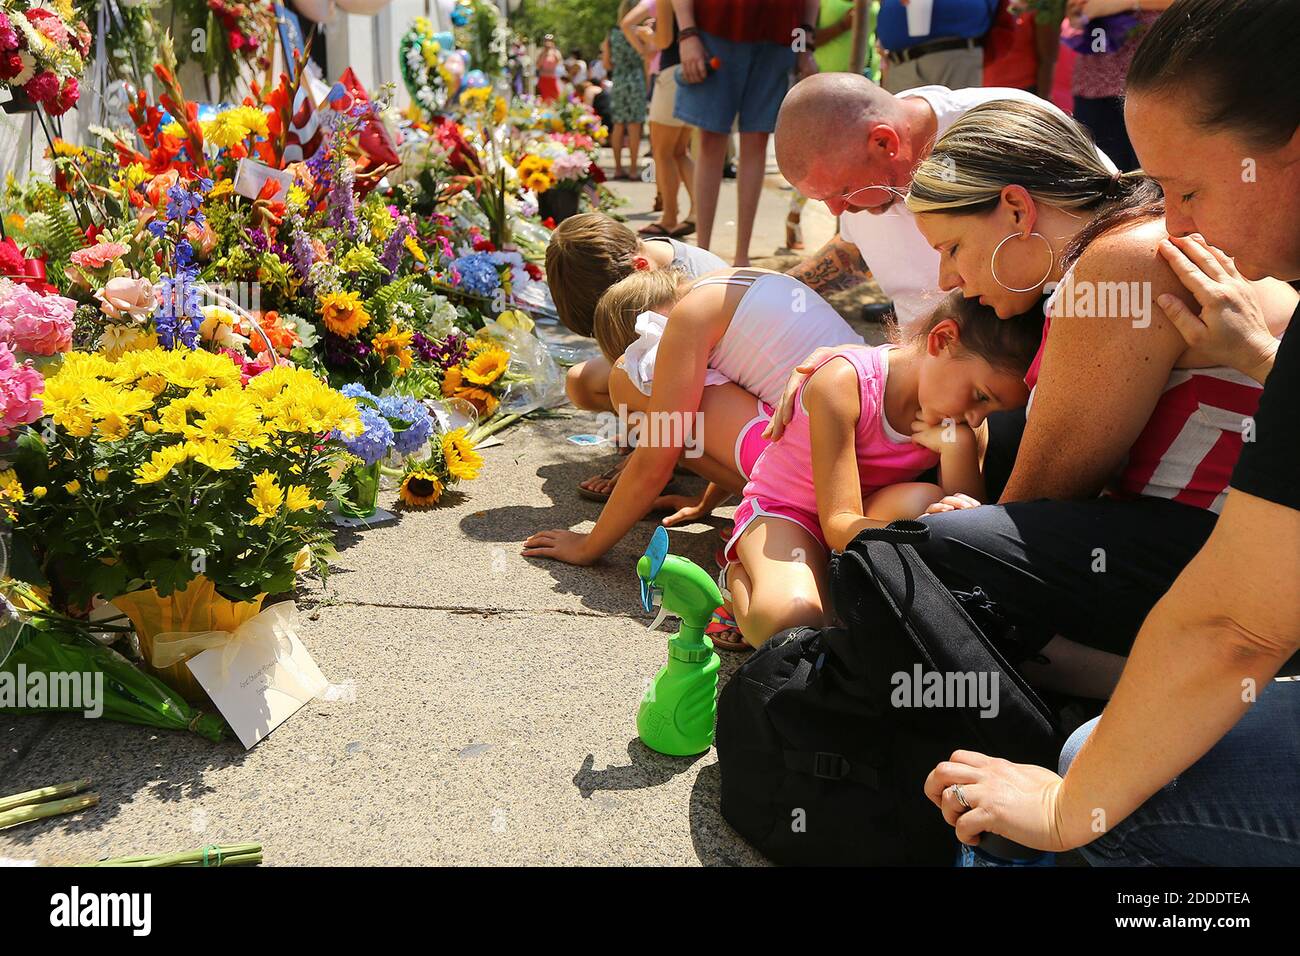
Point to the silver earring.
(993, 264)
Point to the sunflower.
(487, 366)
(395, 343)
(463, 462)
(343, 313)
(421, 489)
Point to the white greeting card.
(251, 176)
(262, 677)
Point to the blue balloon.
(445, 41)
(476, 79)
(460, 16)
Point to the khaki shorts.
(663, 97)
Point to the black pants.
(1087, 570)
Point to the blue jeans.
(1239, 805)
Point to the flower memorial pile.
(42, 53)
(222, 326)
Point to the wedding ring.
(961, 797)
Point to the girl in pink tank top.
(867, 422)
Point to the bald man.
(851, 144)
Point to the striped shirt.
(1190, 444)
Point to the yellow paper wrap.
(163, 620)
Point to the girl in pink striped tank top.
(866, 424)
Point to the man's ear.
(642, 263)
(943, 336)
(884, 138)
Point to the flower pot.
(196, 609)
(361, 491)
(21, 102)
(558, 204)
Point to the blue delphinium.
(477, 273)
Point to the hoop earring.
(993, 264)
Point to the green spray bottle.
(680, 706)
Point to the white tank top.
(778, 322)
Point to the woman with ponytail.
(1196, 759)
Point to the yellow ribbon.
(274, 626)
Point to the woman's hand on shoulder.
(1232, 327)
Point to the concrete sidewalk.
(484, 704)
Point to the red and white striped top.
(1191, 442)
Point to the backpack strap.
(903, 531)
(829, 766)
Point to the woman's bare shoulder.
(1129, 252)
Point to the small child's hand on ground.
(567, 546)
(956, 502)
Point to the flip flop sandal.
(724, 633)
(612, 473)
(685, 229)
(609, 474)
(655, 229)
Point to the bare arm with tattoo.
(834, 267)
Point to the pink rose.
(125, 299)
(98, 255)
(20, 386)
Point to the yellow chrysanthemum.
(160, 464)
(11, 494)
(219, 456)
(487, 366)
(463, 461)
(420, 489)
(298, 498)
(267, 497)
(229, 416)
(134, 175)
(343, 313)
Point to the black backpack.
(818, 765)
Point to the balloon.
(468, 59)
(475, 79)
(445, 40)
(460, 15)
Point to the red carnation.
(483, 244)
(11, 64)
(43, 87)
(66, 99)
(236, 40)
(533, 269)
(12, 262)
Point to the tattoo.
(835, 267)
